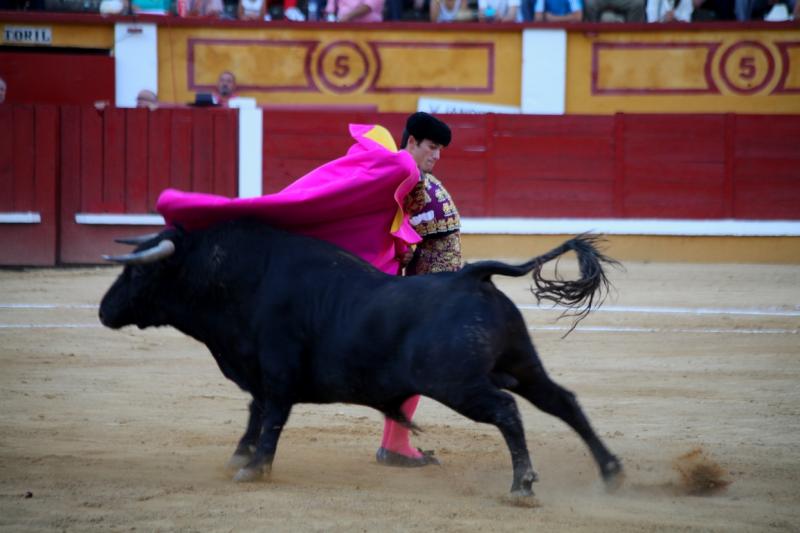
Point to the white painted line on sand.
(767, 311)
(615, 329)
(675, 310)
(526, 307)
(48, 306)
(580, 329)
(49, 326)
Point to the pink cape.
(354, 202)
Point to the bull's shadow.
(291, 319)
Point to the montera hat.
(425, 126)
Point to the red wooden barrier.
(623, 166)
(42, 75)
(60, 162)
(28, 156)
(118, 161)
(766, 167)
(674, 167)
(296, 142)
(554, 166)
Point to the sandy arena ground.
(130, 430)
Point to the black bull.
(291, 319)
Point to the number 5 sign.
(747, 67)
(342, 67)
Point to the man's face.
(425, 153)
(226, 84)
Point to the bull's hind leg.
(489, 405)
(551, 398)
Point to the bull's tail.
(579, 296)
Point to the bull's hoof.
(522, 493)
(613, 475)
(238, 460)
(521, 500)
(524, 485)
(389, 458)
(249, 474)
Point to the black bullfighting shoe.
(389, 458)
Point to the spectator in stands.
(150, 7)
(557, 10)
(355, 10)
(759, 9)
(669, 10)
(705, 10)
(451, 11)
(147, 99)
(616, 10)
(292, 12)
(252, 10)
(498, 10)
(408, 9)
(226, 88)
(113, 7)
(205, 8)
(2, 90)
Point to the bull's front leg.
(275, 415)
(247, 444)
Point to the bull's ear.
(162, 250)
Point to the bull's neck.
(211, 321)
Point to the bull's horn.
(138, 239)
(164, 249)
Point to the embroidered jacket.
(431, 208)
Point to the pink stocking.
(395, 436)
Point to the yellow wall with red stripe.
(610, 68)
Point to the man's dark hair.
(425, 126)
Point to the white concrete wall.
(136, 58)
(544, 72)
